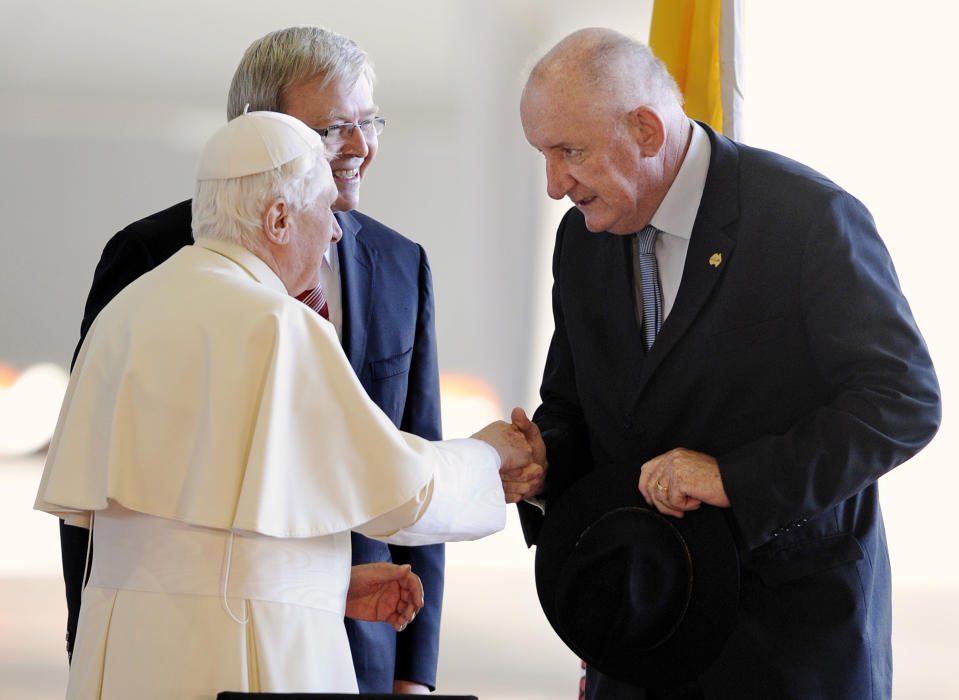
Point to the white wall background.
(865, 93)
(104, 106)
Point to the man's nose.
(558, 180)
(355, 144)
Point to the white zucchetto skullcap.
(254, 143)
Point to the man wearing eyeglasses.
(378, 291)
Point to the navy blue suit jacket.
(796, 362)
(389, 338)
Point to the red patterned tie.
(316, 300)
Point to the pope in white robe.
(220, 448)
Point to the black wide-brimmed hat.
(646, 598)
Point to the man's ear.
(649, 130)
(276, 222)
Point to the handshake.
(522, 455)
(385, 592)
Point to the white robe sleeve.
(463, 501)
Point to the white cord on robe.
(86, 557)
(226, 581)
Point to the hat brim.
(711, 607)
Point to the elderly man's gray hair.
(286, 57)
(232, 209)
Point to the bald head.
(609, 68)
(608, 119)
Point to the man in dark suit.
(380, 299)
(752, 351)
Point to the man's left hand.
(384, 592)
(682, 480)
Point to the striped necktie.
(651, 289)
(316, 299)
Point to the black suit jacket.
(389, 338)
(796, 362)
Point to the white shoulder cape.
(206, 394)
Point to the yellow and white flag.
(699, 41)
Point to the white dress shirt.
(330, 280)
(675, 218)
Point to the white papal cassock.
(216, 438)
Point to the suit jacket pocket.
(391, 366)
(809, 558)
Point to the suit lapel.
(357, 262)
(710, 249)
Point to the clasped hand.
(384, 592)
(682, 480)
(522, 455)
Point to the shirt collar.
(253, 265)
(332, 256)
(677, 212)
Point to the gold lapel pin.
(716, 259)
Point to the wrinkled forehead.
(550, 106)
(347, 98)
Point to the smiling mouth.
(346, 174)
(584, 202)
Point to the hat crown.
(253, 143)
(643, 597)
(627, 581)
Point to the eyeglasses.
(338, 133)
